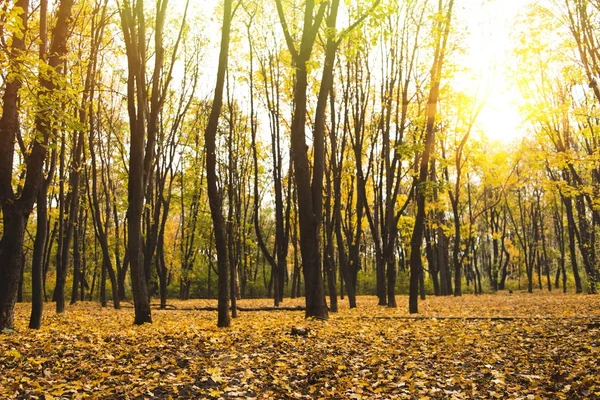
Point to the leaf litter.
(494, 346)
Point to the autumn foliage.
(491, 346)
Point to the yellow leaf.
(13, 353)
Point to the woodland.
(323, 172)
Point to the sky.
(487, 26)
(488, 48)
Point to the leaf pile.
(543, 346)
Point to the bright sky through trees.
(488, 51)
(488, 47)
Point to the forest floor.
(493, 346)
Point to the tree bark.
(133, 25)
(214, 194)
(309, 197)
(16, 210)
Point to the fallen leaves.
(546, 350)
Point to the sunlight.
(500, 119)
(488, 51)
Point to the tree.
(100, 182)
(392, 164)
(310, 186)
(565, 120)
(16, 208)
(273, 86)
(460, 159)
(441, 32)
(272, 100)
(309, 195)
(37, 268)
(214, 193)
(73, 198)
(134, 29)
(192, 196)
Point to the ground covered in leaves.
(493, 346)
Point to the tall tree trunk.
(37, 268)
(345, 269)
(417, 236)
(71, 221)
(329, 257)
(15, 211)
(58, 294)
(103, 273)
(571, 228)
(214, 194)
(100, 231)
(133, 25)
(309, 196)
(432, 265)
(41, 234)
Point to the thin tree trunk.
(37, 278)
(133, 26)
(214, 194)
(417, 236)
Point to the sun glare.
(500, 120)
(488, 56)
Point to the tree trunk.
(133, 25)
(16, 211)
(417, 236)
(391, 283)
(329, 258)
(11, 245)
(422, 284)
(571, 228)
(296, 274)
(345, 269)
(78, 277)
(37, 262)
(309, 196)
(37, 270)
(214, 194)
